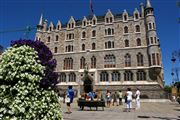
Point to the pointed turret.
(41, 20)
(40, 25)
(148, 4)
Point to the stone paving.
(148, 111)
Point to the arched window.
(93, 46)
(83, 47)
(125, 29)
(72, 77)
(128, 76)
(62, 77)
(109, 31)
(57, 37)
(109, 44)
(125, 17)
(55, 50)
(126, 43)
(82, 63)
(136, 16)
(105, 31)
(93, 62)
(111, 19)
(150, 26)
(49, 39)
(109, 61)
(58, 27)
(137, 28)
(140, 61)
(84, 23)
(127, 60)
(107, 20)
(94, 33)
(94, 22)
(72, 25)
(68, 63)
(141, 75)
(154, 26)
(115, 76)
(138, 41)
(104, 77)
(69, 48)
(83, 34)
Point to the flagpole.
(91, 7)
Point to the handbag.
(67, 99)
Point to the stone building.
(119, 51)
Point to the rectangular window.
(153, 59)
(158, 60)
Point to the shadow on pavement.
(143, 117)
(177, 109)
(165, 118)
(162, 118)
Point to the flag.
(91, 8)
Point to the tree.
(21, 94)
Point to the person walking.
(129, 99)
(137, 95)
(108, 97)
(69, 99)
(120, 96)
(114, 97)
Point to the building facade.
(119, 51)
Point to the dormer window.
(58, 27)
(125, 17)
(72, 25)
(94, 22)
(136, 16)
(50, 28)
(109, 17)
(107, 20)
(84, 23)
(111, 20)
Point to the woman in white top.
(129, 99)
(137, 98)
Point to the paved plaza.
(148, 111)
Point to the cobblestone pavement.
(148, 111)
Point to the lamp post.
(173, 62)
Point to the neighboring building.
(119, 50)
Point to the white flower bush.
(21, 97)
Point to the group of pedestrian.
(129, 97)
(116, 98)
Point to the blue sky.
(17, 14)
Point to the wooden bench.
(84, 103)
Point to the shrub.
(46, 59)
(21, 97)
